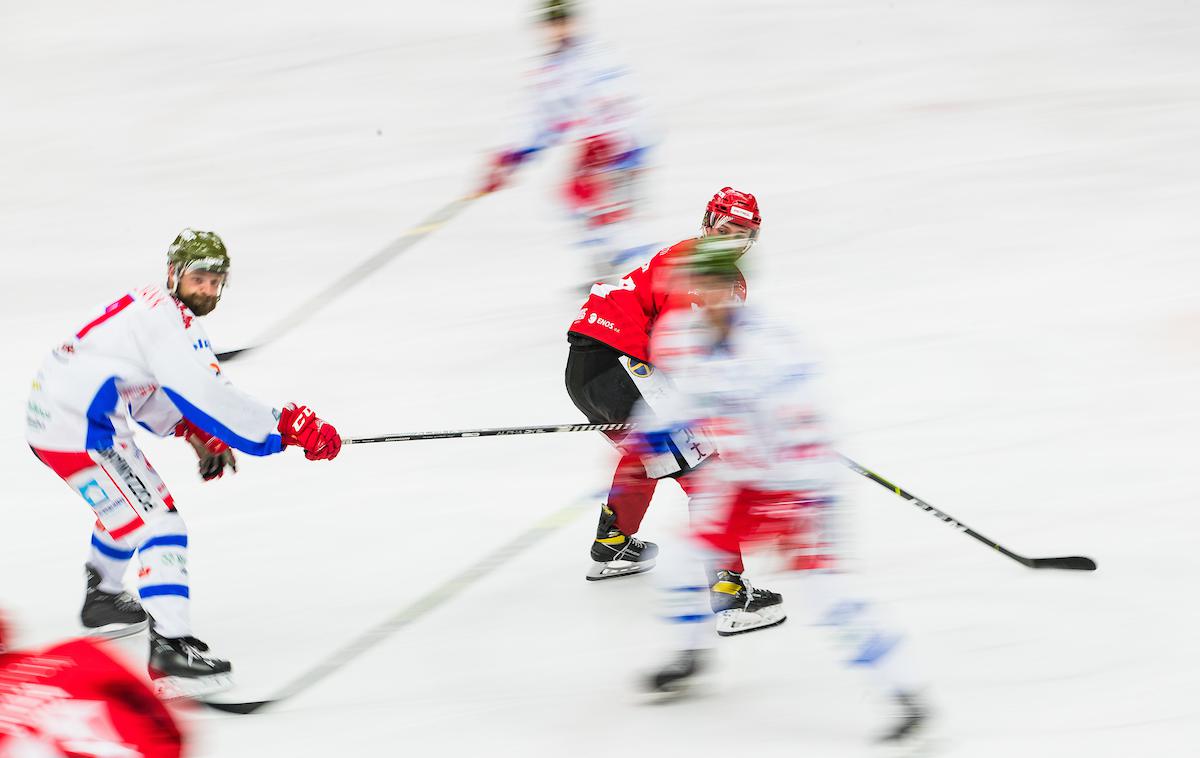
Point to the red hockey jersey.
(76, 700)
(623, 315)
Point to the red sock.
(631, 492)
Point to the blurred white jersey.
(579, 92)
(145, 358)
(753, 392)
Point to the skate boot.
(109, 615)
(911, 718)
(741, 608)
(615, 553)
(678, 676)
(179, 668)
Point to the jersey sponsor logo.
(101, 503)
(594, 319)
(201, 344)
(135, 484)
(93, 493)
(640, 369)
(582, 312)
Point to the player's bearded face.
(200, 290)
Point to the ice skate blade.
(614, 569)
(918, 744)
(170, 688)
(734, 622)
(116, 631)
(670, 694)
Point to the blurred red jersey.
(623, 315)
(75, 700)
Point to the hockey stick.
(1074, 562)
(496, 432)
(354, 276)
(436, 597)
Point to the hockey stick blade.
(229, 354)
(242, 708)
(1070, 563)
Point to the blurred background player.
(74, 700)
(583, 99)
(609, 371)
(145, 357)
(748, 380)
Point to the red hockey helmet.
(731, 206)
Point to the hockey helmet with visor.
(732, 213)
(195, 251)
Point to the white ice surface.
(984, 213)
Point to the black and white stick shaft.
(495, 432)
(352, 277)
(1074, 562)
(417, 609)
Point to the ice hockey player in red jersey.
(146, 359)
(609, 371)
(75, 700)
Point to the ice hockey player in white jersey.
(583, 99)
(145, 359)
(748, 381)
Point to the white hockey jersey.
(579, 92)
(753, 393)
(145, 358)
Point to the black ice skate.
(678, 676)
(109, 615)
(741, 608)
(615, 553)
(911, 718)
(179, 668)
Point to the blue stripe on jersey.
(100, 428)
(164, 540)
(631, 158)
(111, 552)
(157, 590)
(630, 253)
(272, 444)
(876, 647)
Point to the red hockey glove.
(503, 164)
(214, 454)
(300, 426)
